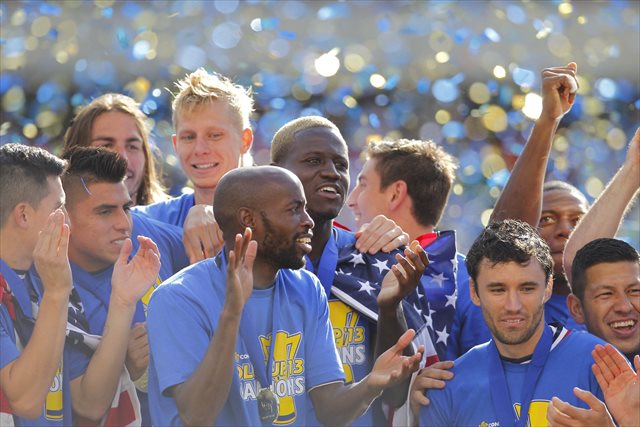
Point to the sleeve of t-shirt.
(178, 338)
(322, 360)
(8, 349)
(438, 412)
(76, 361)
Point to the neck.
(264, 274)
(415, 230)
(321, 234)
(519, 351)
(560, 285)
(204, 196)
(17, 256)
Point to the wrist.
(57, 296)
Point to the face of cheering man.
(512, 297)
(319, 158)
(283, 227)
(100, 223)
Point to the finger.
(557, 416)
(609, 357)
(218, 241)
(207, 241)
(571, 411)
(394, 237)
(45, 236)
(588, 398)
(636, 362)
(425, 383)
(250, 255)
(419, 398)
(403, 341)
(63, 241)
(618, 359)
(125, 251)
(600, 377)
(192, 247)
(397, 242)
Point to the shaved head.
(251, 188)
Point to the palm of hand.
(241, 281)
(388, 370)
(623, 389)
(133, 279)
(390, 288)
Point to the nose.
(624, 304)
(512, 302)
(564, 227)
(353, 196)
(330, 170)
(123, 221)
(122, 151)
(307, 221)
(202, 146)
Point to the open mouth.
(623, 325)
(330, 191)
(205, 166)
(304, 242)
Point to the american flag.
(429, 309)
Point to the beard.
(516, 337)
(280, 252)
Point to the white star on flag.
(429, 321)
(382, 265)
(342, 272)
(438, 279)
(451, 300)
(356, 258)
(365, 287)
(442, 335)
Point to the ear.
(174, 140)
(397, 194)
(575, 308)
(247, 140)
(247, 218)
(548, 290)
(473, 293)
(21, 214)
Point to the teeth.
(329, 190)
(207, 166)
(623, 324)
(305, 240)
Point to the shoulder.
(579, 343)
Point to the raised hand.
(433, 376)
(561, 414)
(559, 87)
(381, 234)
(392, 366)
(131, 280)
(240, 271)
(137, 359)
(51, 255)
(201, 234)
(633, 153)
(619, 383)
(404, 276)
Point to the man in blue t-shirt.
(98, 208)
(244, 353)
(524, 366)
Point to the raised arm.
(201, 398)
(396, 285)
(93, 392)
(26, 380)
(201, 234)
(522, 196)
(604, 217)
(338, 404)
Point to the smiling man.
(517, 372)
(315, 151)
(247, 360)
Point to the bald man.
(228, 354)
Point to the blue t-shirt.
(556, 310)
(173, 211)
(167, 237)
(57, 410)
(466, 399)
(183, 316)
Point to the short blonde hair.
(201, 87)
(151, 189)
(285, 136)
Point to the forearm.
(522, 196)
(93, 392)
(391, 325)
(27, 379)
(339, 405)
(201, 398)
(604, 217)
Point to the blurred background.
(462, 73)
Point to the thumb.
(588, 398)
(404, 340)
(125, 251)
(573, 66)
